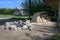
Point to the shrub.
(55, 37)
(58, 26)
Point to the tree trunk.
(52, 3)
(29, 8)
(58, 12)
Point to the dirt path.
(39, 32)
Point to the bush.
(58, 26)
(55, 37)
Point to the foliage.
(55, 37)
(6, 11)
(38, 6)
(58, 26)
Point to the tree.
(30, 6)
(33, 6)
(6, 11)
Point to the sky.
(10, 3)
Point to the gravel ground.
(39, 32)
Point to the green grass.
(12, 16)
(22, 17)
(6, 16)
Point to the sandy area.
(39, 32)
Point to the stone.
(25, 27)
(40, 17)
(27, 21)
(7, 25)
(10, 25)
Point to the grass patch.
(22, 16)
(12, 16)
(6, 16)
